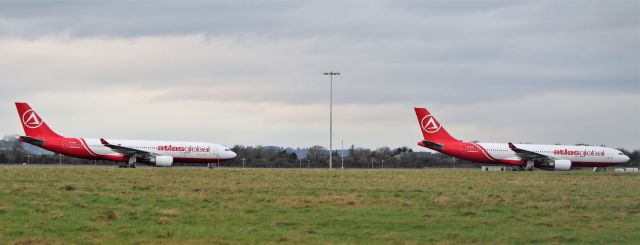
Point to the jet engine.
(162, 161)
(562, 165)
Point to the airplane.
(525, 156)
(126, 152)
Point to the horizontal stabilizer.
(432, 145)
(32, 140)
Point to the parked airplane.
(128, 152)
(558, 157)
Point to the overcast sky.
(249, 72)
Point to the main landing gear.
(130, 164)
(529, 167)
(599, 169)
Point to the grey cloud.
(131, 19)
(392, 55)
(353, 19)
(289, 70)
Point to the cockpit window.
(620, 153)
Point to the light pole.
(331, 74)
(342, 156)
(243, 162)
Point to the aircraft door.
(464, 148)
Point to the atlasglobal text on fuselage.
(128, 152)
(558, 157)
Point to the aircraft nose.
(232, 154)
(625, 158)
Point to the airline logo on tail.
(31, 120)
(429, 124)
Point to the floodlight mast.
(342, 154)
(331, 74)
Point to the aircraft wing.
(126, 151)
(526, 155)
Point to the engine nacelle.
(162, 161)
(562, 165)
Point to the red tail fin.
(431, 129)
(33, 124)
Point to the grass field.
(197, 205)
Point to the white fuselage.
(179, 150)
(576, 154)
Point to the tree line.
(359, 157)
(278, 157)
(354, 157)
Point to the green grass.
(190, 205)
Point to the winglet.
(512, 147)
(104, 142)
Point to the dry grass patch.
(35, 241)
(340, 200)
(57, 215)
(295, 201)
(442, 201)
(169, 212)
(107, 216)
(165, 220)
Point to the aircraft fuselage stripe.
(84, 144)
(484, 152)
